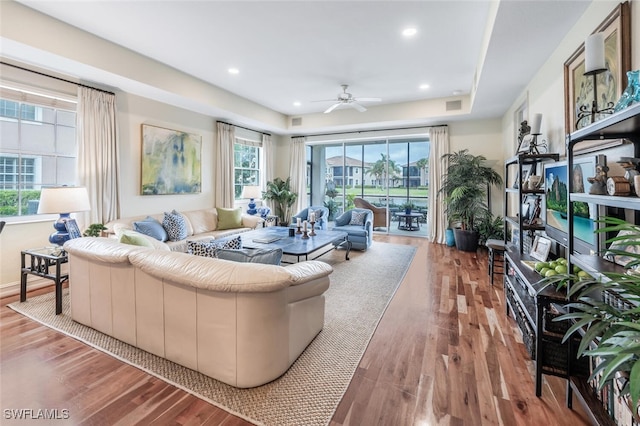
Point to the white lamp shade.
(63, 199)
(251, 191)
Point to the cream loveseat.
(201, 225)
(241, 323)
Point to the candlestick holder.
(299, 231)
(592, 110)
(305, 235)
(313, 231)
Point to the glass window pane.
(9, 135)
(66, 118)
(37, 137)
(66, 140)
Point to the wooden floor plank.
(444, 353)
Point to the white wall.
(133, 111)
(546, 90)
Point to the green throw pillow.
(229, 218)
(135, 240)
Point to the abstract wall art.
(170, 161)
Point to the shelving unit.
(516, 222)
(530, 307)
(621, 125)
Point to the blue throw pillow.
(175, 226)
(267, 256)
(151, 227)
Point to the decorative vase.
(632, 93)
(407, 211)
(449, 237)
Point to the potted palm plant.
(607, 308)
(280, 194)
(465, 187)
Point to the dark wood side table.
(41, 262)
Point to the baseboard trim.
(13, 288)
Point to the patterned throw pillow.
(317, 212)
(211, 249)
(358, 218)
(201, 248)
(229, 243)
(175, 226)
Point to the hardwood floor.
(444, 353)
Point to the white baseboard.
(13, 288)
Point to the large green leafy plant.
(611, 331)
(465, 187)
(282, 198)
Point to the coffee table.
(323, 241)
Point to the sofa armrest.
(252, 221)
(308, 270)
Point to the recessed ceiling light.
(234, 71)
(409, 32)
(296, 103)
(424, 86)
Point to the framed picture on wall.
(579, 88)
(170, 161)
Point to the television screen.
(556, 192)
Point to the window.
(246, 165)
(38, 149)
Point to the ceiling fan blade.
(369, 99)
(332, 107)
(358, 106)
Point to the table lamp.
(251, 192)
(62, 200)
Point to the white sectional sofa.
(201, 224)
(241, 323)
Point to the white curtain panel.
(268, 162)
(439, 145)
(298, 172)
(97, 162)
(224, 184)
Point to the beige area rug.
(309, 392)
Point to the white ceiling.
(289, 51)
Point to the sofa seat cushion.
(353, 230)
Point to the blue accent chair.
(361, 236)
(321, 222)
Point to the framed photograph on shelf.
(579, 88)
(525, 144)
(526, 169)
(72, 228)
(540, 248)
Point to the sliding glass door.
(387, 173)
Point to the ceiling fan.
(345, 98)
